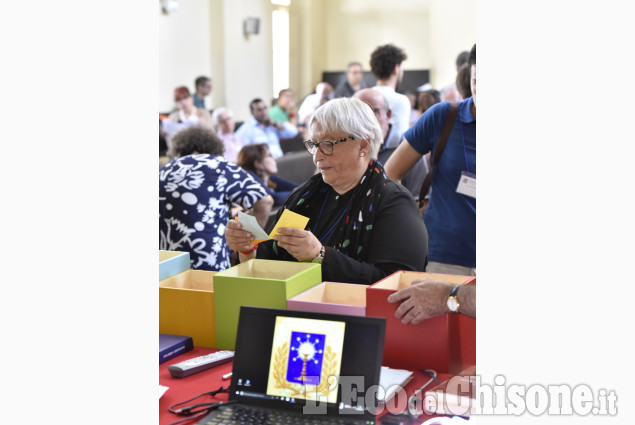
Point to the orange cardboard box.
(445, 343)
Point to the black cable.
(186, 410)
(202, 415)
(432, 374)
(199, 410)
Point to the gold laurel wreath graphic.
(329, 368)
(279, 368)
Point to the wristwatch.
(453, 302)
(320, 257)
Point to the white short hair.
(217, 113)
(350, 116)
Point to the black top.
(399, 240)
(346, 90)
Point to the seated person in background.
(414, 112)
(257, 161)
(284, 108)
(163, 147)
(354, 81)
(463, 77)
(427, 99)
(196, 191)
(202, 88)
(427, 298)
(450, 94)
(392, 138)
(186, 111)
(223, 121)
(262, 129)
(185, 115)
(362, 226)
(323, 93)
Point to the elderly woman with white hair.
(362, 225)
(223, 122)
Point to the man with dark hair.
(463, 81)
(354, 81)
(386, 65)
(202, 87)
(450, 216)
(262, 129)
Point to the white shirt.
(400, 106)
(310, 104)
(193, 118)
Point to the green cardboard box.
(257, 283)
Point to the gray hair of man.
(217, 113)
(350, 116)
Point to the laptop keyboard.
(243, 415)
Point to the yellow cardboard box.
(186, 306)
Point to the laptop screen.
(310, 362)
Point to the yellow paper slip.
(289, 219)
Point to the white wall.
(331, 33)
(247, 60)
(357, 27)
(452, 30)
(184, 49)
(205, 37)
(217, 36)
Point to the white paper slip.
(250, 224)
(392, 380)
(162, 390)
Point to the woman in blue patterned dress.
(197, 191)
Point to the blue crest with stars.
(305, 358)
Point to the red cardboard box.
(445, 343)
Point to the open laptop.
(300, 367)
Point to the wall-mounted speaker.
(251, 26)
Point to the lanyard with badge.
(467, 182)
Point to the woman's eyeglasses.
(325, 147)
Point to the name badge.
(467, 184)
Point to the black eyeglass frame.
(312, 146)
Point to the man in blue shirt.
(451, 213)
(262, 129)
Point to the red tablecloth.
(181, 389)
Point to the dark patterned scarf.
(353, 231)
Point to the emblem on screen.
(305, 358)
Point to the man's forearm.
(467, 300)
